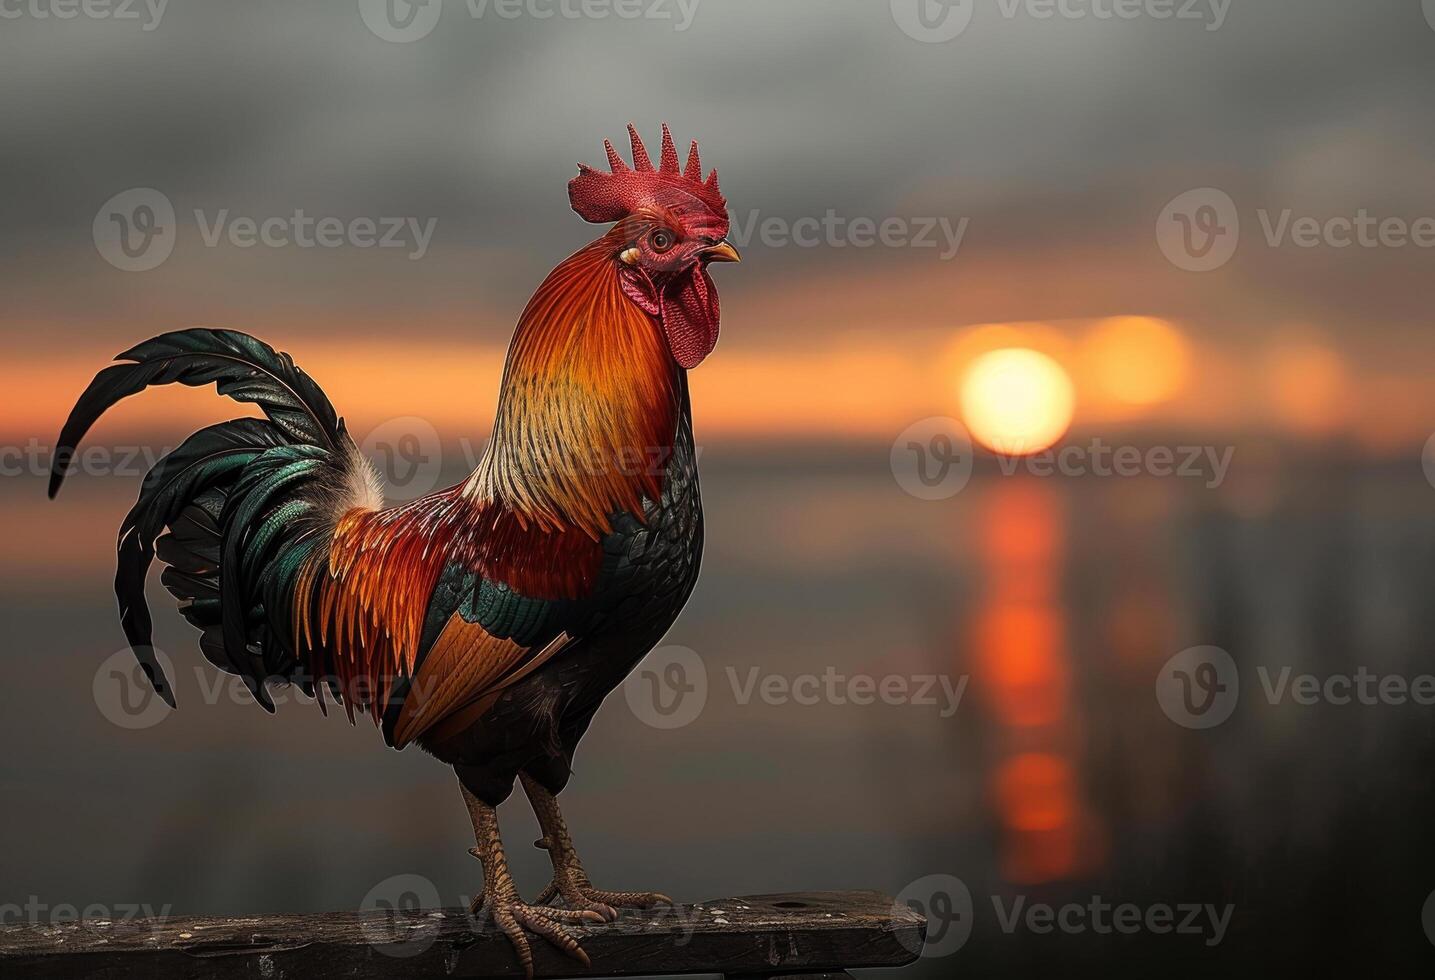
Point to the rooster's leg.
(570, 882)
(500, 896)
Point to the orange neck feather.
(589, 403)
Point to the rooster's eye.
(661, 240)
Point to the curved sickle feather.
(241, 367)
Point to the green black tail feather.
(245, 502)
(241, 367)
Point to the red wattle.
(690, 317)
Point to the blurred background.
(1062, 345)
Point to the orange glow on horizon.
(1137, 360)
(859, 384)
(1308, 387)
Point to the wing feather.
(463, 673)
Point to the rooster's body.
(488, 621)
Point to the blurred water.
(1050, 604)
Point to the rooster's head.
(670, 223)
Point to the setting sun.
(1017, 401)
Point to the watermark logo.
(1198, 231)
(932, 21)
(941, 692)
(404, 919)
(679, 12)
(1199, 687)
(936, 21)
(1360, 230)
(404, 21)
(1103, 917)
(1098, 459)
(400, 21)
(150, 12)
(408, 453)
(134, 230)
(37, 459)
(833, 230)
(300, 230)
(37, 912)
(946, 902)
(1364, 687)
(125, 695)
(1211, 14)
(932, 459)
(1429, 6)
(669, 688)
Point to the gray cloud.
(1044, 132)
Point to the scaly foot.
(517, 919)
(570, 883)
(499, 900)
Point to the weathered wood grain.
(760, 935)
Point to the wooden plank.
(761, 935)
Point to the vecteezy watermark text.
(833, 230)
(670, 688)
(1360, 230)
(1101, 460)
(409, 454)
(1103, 917)
(148, 11)
(401, 917)
(679, 12)
(305, 231)
(1200, 230)
(1200, 686)
(36, 912)
(947, 904)
(933, 459)
(405, 21)
(937, 691)
(935, 21)
(1364, 687)
(136, 230)
(36, 459)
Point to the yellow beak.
(721, 252)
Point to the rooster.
(485, 622)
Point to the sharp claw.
(549, 928)
(513, 918)
(509, 924)
(576, 892)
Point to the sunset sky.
(479, 125)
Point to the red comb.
(601, 196)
